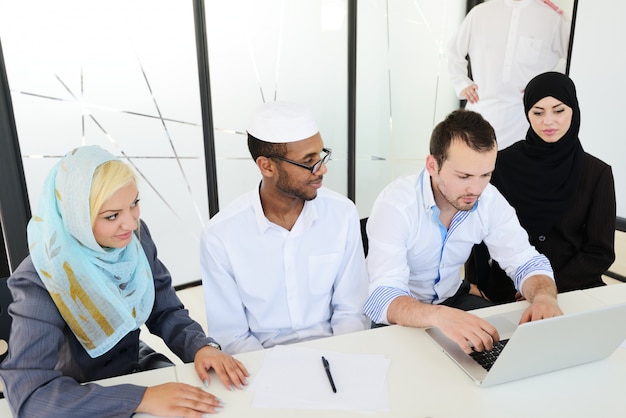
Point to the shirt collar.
(428, 197)
(517, 4)
(307, 217)
(261, 221)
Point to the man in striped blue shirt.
(422, 229)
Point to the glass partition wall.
(123, 74)
(402, 87)
(271, 50)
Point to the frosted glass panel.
(267, 50)
(403, 89)
(121, 74)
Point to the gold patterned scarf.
(102, 293)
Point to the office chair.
(364, 235)
(5, 320)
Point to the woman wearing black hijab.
(564, 197)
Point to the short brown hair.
(461, 125)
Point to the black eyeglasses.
(312, 168)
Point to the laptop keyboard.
(488, 357)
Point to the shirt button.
(542, 238)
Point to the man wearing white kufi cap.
(284, 262)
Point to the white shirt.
(412, 253)
(265, 285)
(508, 42)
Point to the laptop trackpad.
(505, 323)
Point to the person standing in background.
(508, 43)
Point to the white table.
(5, 411)
(609, 295)
(148, 378)
(423, 381)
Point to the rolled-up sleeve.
(389, 236)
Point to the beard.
(462, 206)
(457, 202)
(286, 185)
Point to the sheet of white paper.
(294, 377)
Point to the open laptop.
(542, 346)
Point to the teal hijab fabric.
(102, 293)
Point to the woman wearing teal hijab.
(91, 281)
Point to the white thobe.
(508, 42)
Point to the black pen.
(330, 376)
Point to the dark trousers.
(150, 359)
(462, 299)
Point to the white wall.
(598, 68)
